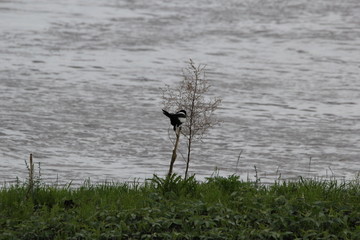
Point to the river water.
(80, 87)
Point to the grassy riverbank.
(220, 208)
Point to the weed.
(174, 184)
(177, 208)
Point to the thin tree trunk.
(30, 168)
(192, 113)
(31, 171)
(173, 157)
(188, 157)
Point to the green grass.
(219, 208)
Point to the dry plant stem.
(174, 155)
(30, 168)
(238, 160)
(188, 157)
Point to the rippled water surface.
(79, 86)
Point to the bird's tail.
(166, 113)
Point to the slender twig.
(238, 160)
(332, 173)
(310, 165)
(257, 179)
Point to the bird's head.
(182, 111)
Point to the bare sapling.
(191, 95)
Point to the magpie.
(176, 119)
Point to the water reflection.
(79, 86)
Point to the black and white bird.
(176, 119)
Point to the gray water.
(80, 79)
